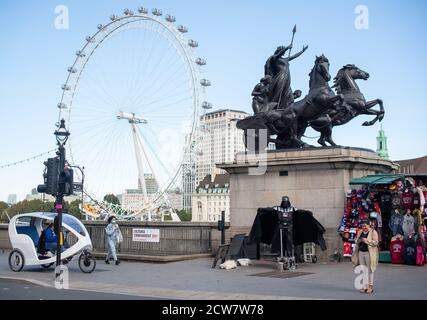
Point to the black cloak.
(306, 229)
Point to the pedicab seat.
(30, 231)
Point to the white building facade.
(176, 200)
(210, 198)
(12, 199)
(220, 140)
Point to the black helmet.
(285, 202)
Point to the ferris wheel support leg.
(141, 143)
(139, 160)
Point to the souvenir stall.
(396, 208)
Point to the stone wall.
(176, 238)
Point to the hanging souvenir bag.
(420, 260)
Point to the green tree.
(111, 198)
(30, 206)
(184, 215)
(74, 209)
(3, 210)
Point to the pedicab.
(25, 231)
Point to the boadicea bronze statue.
(276, 112)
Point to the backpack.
(410, 253)
(420, 260)
(41, 244)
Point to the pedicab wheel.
(314, 260)
(87, 262)
(16, 261)
(48, 265)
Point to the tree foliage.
(30, 206)
(111, 198)
(184, 215)
(74, 209)
(37, 205)
(3, 209)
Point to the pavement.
(195, 280)
(24, 290)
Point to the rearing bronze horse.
(354, 104)
(286, 123)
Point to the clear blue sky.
(235, 37)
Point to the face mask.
(114, 222)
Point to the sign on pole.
(146, 235)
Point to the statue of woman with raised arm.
(277, 67)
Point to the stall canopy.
(377, 179)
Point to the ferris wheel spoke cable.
(171, 72)
(153, 40)
(170, 109)
(137, 76)
(90, 123)
(130, 69)
(173, 59)
(171, 105)
(176, 91)
(88, 139)
(93, 103)
(100, 86)
(168, 171)
(170, 95)
(97, 85)
(155, 68)
(163, 174)
(86, 134)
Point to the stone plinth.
(315, 179)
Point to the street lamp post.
(61, 137)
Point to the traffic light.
(66, 186)
(50, 177)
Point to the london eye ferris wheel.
(132, 100)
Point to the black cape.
(305, 229)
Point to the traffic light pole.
(223, 227)
(59, 204)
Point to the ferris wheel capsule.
(128, 12)
(80, 54)
(142, 10)
(100, 26)
(193, 43)
(62, 106)
(66, 87)
(200, 61)
(72, 70)
(113, 17)
(182, 29)
(90, 39)
(206, 105)
(170, 18)
(157, 12)
(205, 82)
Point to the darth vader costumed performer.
(285, 215)
(284, 227)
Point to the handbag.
(119, 236)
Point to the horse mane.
(340, 75)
